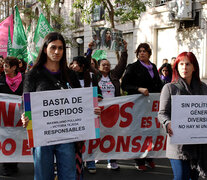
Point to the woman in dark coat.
(142, 77)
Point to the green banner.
(19, 45)
(42, 29)
(9, 44)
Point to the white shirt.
(107, 88)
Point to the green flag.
(9, 44)
(42, 29)
(99, 54)
(19, 45)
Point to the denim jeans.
(182, 170)
(91, 164)
(65, 161)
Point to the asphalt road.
(127, 171)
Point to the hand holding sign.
(25, 120)
(169, 129)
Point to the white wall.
(163, 35)
(166, 45)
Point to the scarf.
(149, 68)
(14, 82)
(165, 78)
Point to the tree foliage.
(123, 10)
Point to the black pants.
(140, 162)
(9, 168)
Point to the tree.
(7, 7)
(125, 10)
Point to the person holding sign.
(81, 66)
(50, 72)
(109, 81)
(185, 81)
(11, 82)
(142, 77)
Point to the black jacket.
(90, 79)
(137, 76)
(36, 80)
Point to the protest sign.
(107, 39)
(129, 129)
(61, 116)
(134, 130)
(13, 137)
(189, 119)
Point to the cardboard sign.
(61, 116)
(189, 119)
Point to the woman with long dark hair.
(165, 72)
(51, 64)
(185, 81)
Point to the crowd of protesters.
(181, 77)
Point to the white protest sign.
(129, 128)
(13, 137)
(189, 119)
(62, 116)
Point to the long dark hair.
(85, 63)
(42, 56)
(169, 68)
(105, 43)
(192, 58)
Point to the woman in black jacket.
(142, 77)
(51, 64)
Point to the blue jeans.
(91, 164)
(182, 170)
(65, 161)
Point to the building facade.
(169, 26)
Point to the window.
(191, 23)
(98, 13)
(160, 2)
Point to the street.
(127, 171)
